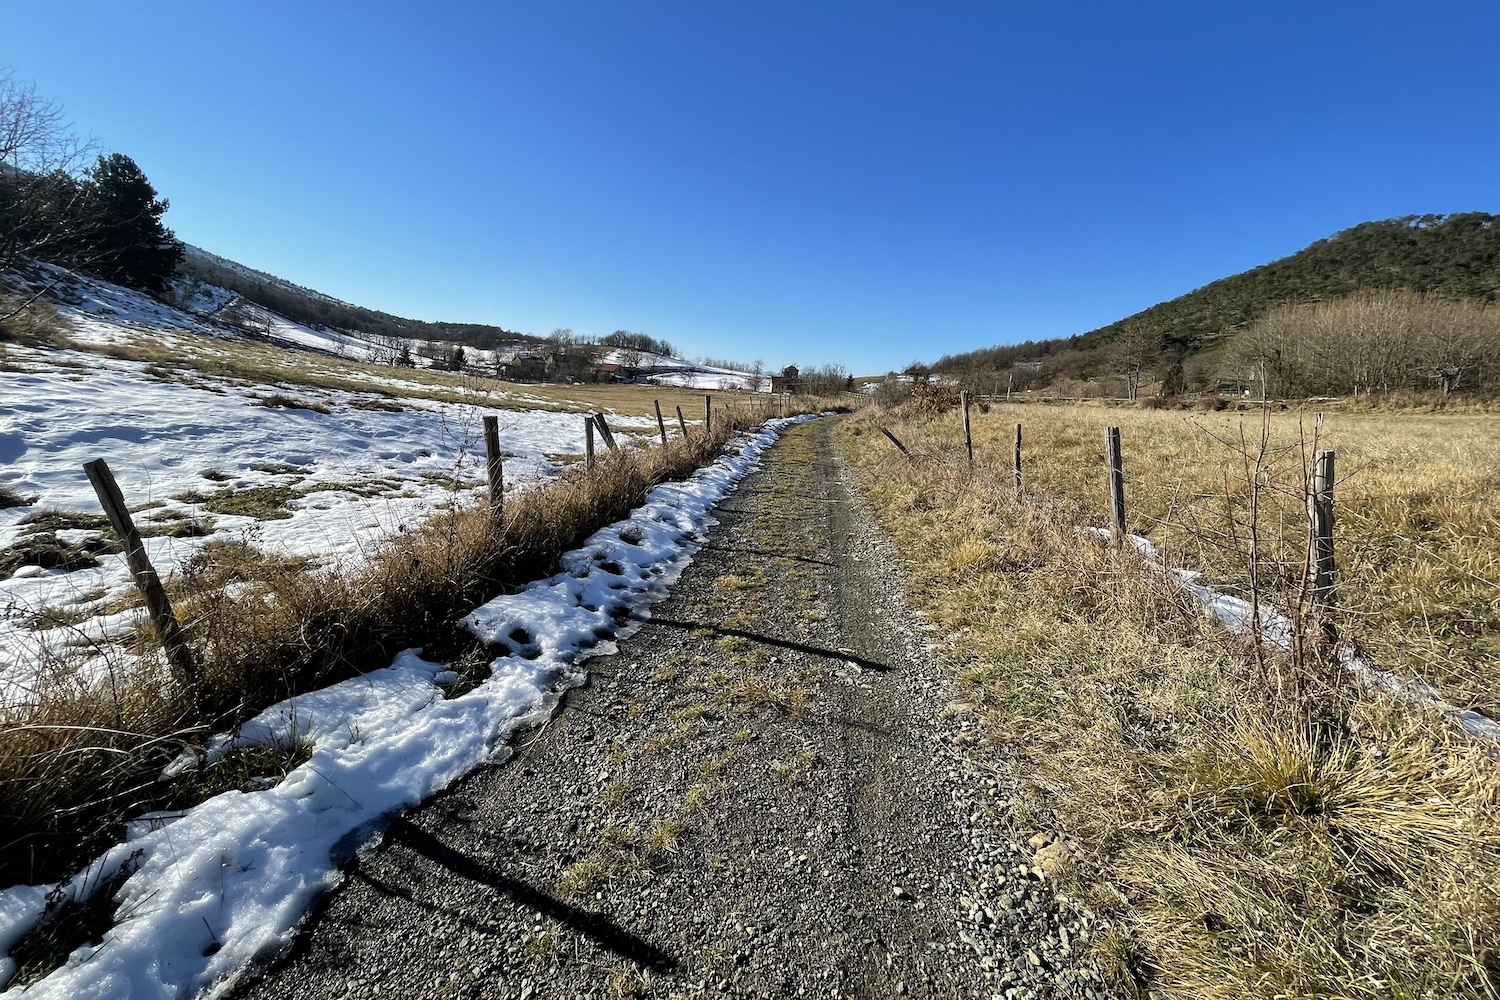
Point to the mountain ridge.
(1456, 255)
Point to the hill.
(1455, 256)
(315, 309)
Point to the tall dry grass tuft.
(30, 321)
(77, 760)
(1252, 838)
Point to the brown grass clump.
(1311, 840)
(281, 401)
(12, 497)
(78, 759)
(30, 322)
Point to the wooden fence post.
(1116, 486)
(661, 424)
(609, 439)
(682, 423)
(588, 442)
(896, 441)
(1320, 544)
(158, 605)
(494, 466)
(963, 401)
(708, 416)
(1018, 462)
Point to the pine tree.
(122, 228)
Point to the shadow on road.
(602, 930)
(744, 550)
(800, 647)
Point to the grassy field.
(1417, 537)
(1259, 824)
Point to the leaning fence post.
(158, 605)
(896, 441)
(708, 416)
(661, 424)
(588, 442)
(1018, 462)
(1116, 486)
(963, 400)
(682, 423)
(494, 466)
(1320, 544)
(609, 439)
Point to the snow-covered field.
(181, 440)
(214, 887)
(354, 474)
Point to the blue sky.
(796, 182)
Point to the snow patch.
(1238, 616)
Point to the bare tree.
(1133, 355)
(1455, 340)
(40, 164)
(825, 380)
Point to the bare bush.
(892, 391)
(1371, 342)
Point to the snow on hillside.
(213, 888)
(100, 313)
(663, 370)
(201, 299)
(274, 327)
(199, 254)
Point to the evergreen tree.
(1174, 382)
(121, 225)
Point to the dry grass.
(31, 323)
(1417, 537)
(1252, 844)
(78, 759)
(282, 401)
(11, 497)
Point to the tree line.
(63, 202)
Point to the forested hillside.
(1450, 257)
(304, 305)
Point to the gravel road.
(767, 792)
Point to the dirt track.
(761, 794)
